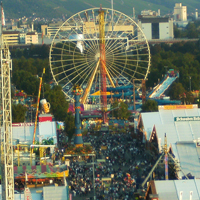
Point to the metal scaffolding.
(7, 174)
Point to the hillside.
(56, 8)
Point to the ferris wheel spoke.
(115, 44)
(66, 50)
(80, 70)
(116, 22)
(79, 75)
(119, 59)
(134, 71)
(109, 71)
(92, 51)
(132, 65)
(92, 42)
(85, 73)
(116, 69)
(67, 60)
(90, 72)
(70, 68)
(94, 19)
(64, 66)
(79, 29)
(73, 72)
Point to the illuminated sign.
(186, 119)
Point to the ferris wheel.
(75, 51)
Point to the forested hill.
(57, 8)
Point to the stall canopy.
(39, 171)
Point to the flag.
(2, 16)
(42, 38)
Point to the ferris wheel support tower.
(7, 174)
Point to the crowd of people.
(121, 163)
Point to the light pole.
(190, 82)
(94, 178)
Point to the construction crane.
(38, 103)
(37, 110)
(7, 174)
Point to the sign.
(186, 119)
(177, 107)
(22, 124)
(181, 195)
(191, 192)
(27, 194)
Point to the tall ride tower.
(103, 64)
(7, 174)
(78, 140)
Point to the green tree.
(18, 113)
(150, 106)
(187, 97)
(120, 110)
(176, 90)
(69, 125)
(59, 105)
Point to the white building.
(31, 38)
(150, 13)
(180, 12)
(157, 27)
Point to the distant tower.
(32, 26)
(196, 14)
(159, 12)
(180, 12)
(78, 140)
(133, 13)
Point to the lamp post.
(94, 178)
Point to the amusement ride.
(98, 49)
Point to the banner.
(177, 107)
(186, 119)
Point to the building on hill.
(150, 13)
(11, 37)
(180, 12)
(156, 27)
(180, 15)
(31, 38)
(17, 37)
